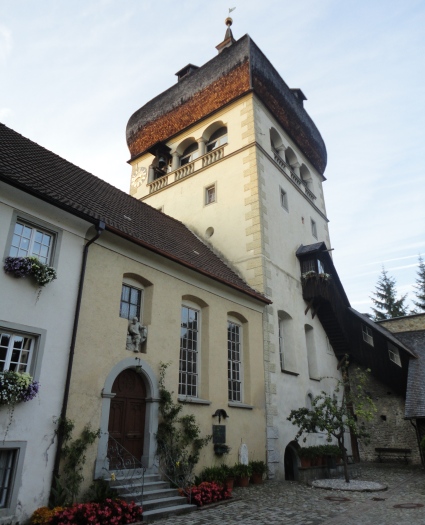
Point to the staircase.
(154, 495)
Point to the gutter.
(100, 229)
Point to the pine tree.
(386, 302)
(420, 285)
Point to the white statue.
(136, 335)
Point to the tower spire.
(228, 37)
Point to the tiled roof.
(239, 69)
(33, 169)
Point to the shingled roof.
(239, 69)
(35, 170)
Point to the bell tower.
(230, 151)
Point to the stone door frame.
(151, 420)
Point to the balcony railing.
(186, 170)
(289, 171)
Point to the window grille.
(15, 352)
(131, 299)
(234, 361)
(28, 241)
(7, 463)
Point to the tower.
(230, 151)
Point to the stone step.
(150, 495)
(173, 501)
(137, 486)
(154, 514)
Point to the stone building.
(231, 151)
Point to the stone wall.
(388, 428)
(409, 323)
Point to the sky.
(72, 74)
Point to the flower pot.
(229, 483)
(305, 462)
(256, 478)
(244, 482)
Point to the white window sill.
(193, 400)
(234, 404)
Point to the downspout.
(60, 435)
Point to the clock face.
(138, 177)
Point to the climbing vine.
(178, 439)
(66, 486)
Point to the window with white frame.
(29, 240)
(367, 334)
(313, 228)
(131, 300)
(217, 139)
(284, 199)
(394, 354)
(16, 351)
(210, 194)
(234, 360)
(189, 154)
(189, 351)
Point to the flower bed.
(206, 493)
(111, 512)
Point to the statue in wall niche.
(243, 454)
(136, 335)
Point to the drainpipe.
(100, 228)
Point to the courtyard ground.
(293, 503)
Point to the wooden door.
(127, 415)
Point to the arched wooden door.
(127, 416)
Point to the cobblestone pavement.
(293, 503)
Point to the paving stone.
(293, 503)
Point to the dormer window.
(217, 139)
(189, 154)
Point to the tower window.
(189, 154)
(284, 199)
(217, 139)
(210, 194)
(314, 228)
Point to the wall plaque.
(219, 434)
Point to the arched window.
(189, 154)
(306, 176)
(276, 142)
(217, 139)
(311, 352)
(286, 343)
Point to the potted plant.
(306, 456)
(220, 449)
(242, 474)
(228, 476)
(259, 468)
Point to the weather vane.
(231, 9)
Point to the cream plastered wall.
(102, 337)
(51, 315)
(235, 216)
(260, 238)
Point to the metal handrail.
(131, 469)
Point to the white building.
(36, 328)
(230, 151)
